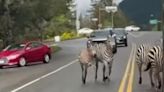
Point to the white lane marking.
(136, 36)
(44, 76)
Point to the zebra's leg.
(110, 67)
(140, 73)
(151, 78)
(85, 73)
(82, 76)
(96, 70)
(110, 70)
(104, 72)
(155, 74)
(159, 81)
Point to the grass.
(55, 49)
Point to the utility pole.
(162, 18)
(99, 17)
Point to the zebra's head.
(89, 43)
(90, 46)
(108, 44)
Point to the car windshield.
(100, 33)
(119, 32)
(15, 47)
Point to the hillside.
(139, 11)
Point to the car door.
(32, 52)
(39, 47)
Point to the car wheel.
(126, 44)
(46, 58)
(1, 67)
(22, 62)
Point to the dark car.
(101, 36)
(120, 36)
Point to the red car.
(21, 54)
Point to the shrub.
(68, 35)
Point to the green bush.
(68, 35)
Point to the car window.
(119, 32)
(15, 47)
(35, 44)
(100, 33)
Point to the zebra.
(142, 59)
(86, 59)
(104, 55)
(155, 58)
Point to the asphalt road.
(63, 73)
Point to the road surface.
(63, 73)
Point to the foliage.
(57, 26)
(120, 20)
(32, 19)
(68, 35)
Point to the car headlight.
(124, 37)
(114, 35)
(12, 56)
(3, 60)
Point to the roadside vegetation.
(103, 17)
(55, 49)
(25, 20)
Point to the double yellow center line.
(127, 81)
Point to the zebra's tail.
(148, 66)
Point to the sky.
(84, 5)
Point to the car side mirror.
(114, 35)
(28, 48)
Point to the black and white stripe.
(142, 59)
(104, 55)
(155, 64)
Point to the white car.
(85, 31)
(132, 28)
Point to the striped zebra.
(142, 59)
(104, 55)
(155, 64)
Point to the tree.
(28, 19)
(104, 18)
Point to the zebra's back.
(102, 52)
(142, 52)
(155, 57)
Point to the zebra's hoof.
(140, 81)
(95, 79)
(105, 78)
(159, 86)
(152, 84)
(84, 82)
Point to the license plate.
(118, 40)
(2, 62)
